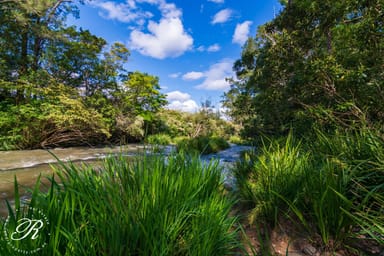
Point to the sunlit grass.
(147, 206)
(331, 185)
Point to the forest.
(63, 86)
(308, 96)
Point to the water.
(28, 165)
(226, 159)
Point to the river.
(28, 165)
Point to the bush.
(178, 139)
(147, 206)
(159, 139)
(235, 139)
(202, 145)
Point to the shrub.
(237, 140)
(178, 139)
(202, 145)
(159, 139)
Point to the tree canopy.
(62, 85)
(318, 63)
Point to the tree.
(140, 95)
(316, 59)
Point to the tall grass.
(143, 207)
(276, 170)
(332, 185)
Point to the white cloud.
(123, 12)
(187, 106)
(200, 48)
(162, 39)
(222, 16)
(178, 96)
(165, 39)
(214, 48)
(193, 75)
(215, 77)
(211, 48)
(217, 1)
(241, 32)
(181, 101)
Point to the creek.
(28, 165)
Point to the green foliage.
(144, 206)
(159, 139)
(235, 139)
(202, 145)
(329, 183)
(59, 85)
(61, 119)
(141, 96)
(316, 59)
(276, 170)
(203, 123)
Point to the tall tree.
(316, 59)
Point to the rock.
(310, 250)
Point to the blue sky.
(190, 45)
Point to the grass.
(331, 185)
(147, 206)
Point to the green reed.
(145, 206)
(331, 184)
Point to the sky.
(190, 45)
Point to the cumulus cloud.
(177, 95)
(193, 75)
(181, 101)
(222, 16)
(165, 39)
(161, 39)
(186, 106)
(123, 12)
(215, 76)
(241, 32)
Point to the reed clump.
(142, 206)
(330, 185)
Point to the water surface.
(28, 165)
